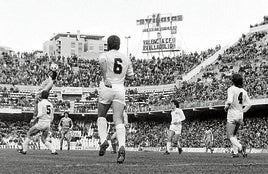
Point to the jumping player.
(177, 116)
(236, 105)
(65, 125)
(44, 118)
(45, 86)
(208, 140)
(114, 67)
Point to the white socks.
(168, 146)
(102, 128)
(179, 144)
(236, 143)
(121, 134)
(50, 147)
(26, 144)
(235, 149)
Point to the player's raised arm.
(48, 85)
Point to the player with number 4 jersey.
(236, 105)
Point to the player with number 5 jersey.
(42, 124)
(236, 105)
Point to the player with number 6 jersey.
(236, 105)
(115, 67)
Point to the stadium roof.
(72, 35)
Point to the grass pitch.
(69, 162)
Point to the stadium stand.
(248, 56)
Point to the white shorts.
(39, 126)
(42, 126)
(175, 128)
(114, 94)
(235, 120)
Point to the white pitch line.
(217, 164)
(169, 165)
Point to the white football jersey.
(118, 66)
(177, 116)
(237, 98)
(45, 111)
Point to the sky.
(27, 24)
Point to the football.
(54, 67)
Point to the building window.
(72, 44)
(72, 52)
(101, 48)
(80, 47)
(91, 47)
(85, 47)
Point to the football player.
(65, 126)
(177, 116)
(45, 86)
(208, 140)
(114, 67)
(43, 120)
(237, 104)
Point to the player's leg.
(32, 131)
(177, 138)
(210, 146)
(242, 150)
(62, 132)
(206, 144)
(114, 142)
(102, 127)
(68, 138)
(231, 127)
(49, 145)
(169, 141)
(38, 142)
(118, 108)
